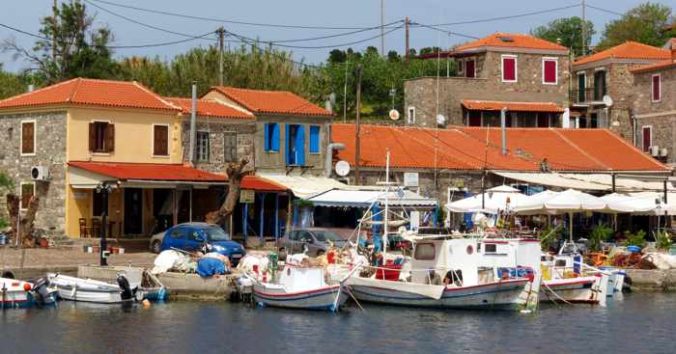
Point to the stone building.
(526, 75)
(654, 107)
(603, 86)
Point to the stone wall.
(217, 128)
(421, 92)
(50, 151)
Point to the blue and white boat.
(20, 294)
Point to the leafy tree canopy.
(645, 23)
(567, 32)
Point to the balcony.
(589, 95)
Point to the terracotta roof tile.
(511, 40)
(665, 64)
(627, 50)
(207, 108)
(272, 102)
(481, 105)
(464, 148)
(121, 94)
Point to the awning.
(356, 197)
(481, 105)
(589, 182)
(304, 186)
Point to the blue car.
(195, 236)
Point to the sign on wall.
(410, 179)
(247, 196)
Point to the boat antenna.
(483, 175)
(387, 194)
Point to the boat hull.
(498, 295)
(586, 290)
(320, 299)
(86, 290)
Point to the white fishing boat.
(299, 286)
(20, 294)
(89, 290)
(465, 283)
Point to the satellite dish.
(394, 114)
(441, 120)
(342, 168)
(608, 101)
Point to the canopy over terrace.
(146, 195)
(597, 182)
(364, 197)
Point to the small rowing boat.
(89, 290)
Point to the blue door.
(295, 144)
(300, 146)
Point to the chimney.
(503, 129)
(31, 87)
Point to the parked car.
(317, 241)
(195, 236)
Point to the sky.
(26, 15)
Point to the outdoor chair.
(84, 232)
(96, 228)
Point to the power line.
(442, 30)
(162, 44)
(605, 10)
(508, 17)
(221, 20)
(23, 32)
(334, 35)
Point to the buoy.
(146, 303)
(27, 287)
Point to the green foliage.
(6, 183)
(600, 233)
(663, 240)
(567, 32)
(549, 236)
(645, 23)
(635, 239)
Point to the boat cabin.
(442, 256)
(510, 253)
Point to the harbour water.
(638, 323)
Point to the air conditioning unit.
(664, 152)
(40, 173)
(654, 150)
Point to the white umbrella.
(572, 201)
(494, 199)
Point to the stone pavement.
(66, 257)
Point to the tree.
(6, 185)
(644, 23)
(235, 172)
(10, 85)
(567, 32)
(71, 46)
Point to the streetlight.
(104, 188)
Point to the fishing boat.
(89, 290)
(21, 294)
(299, 286)
(465, 283)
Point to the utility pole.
(221, 40)
(407, 25)
(347, 64)
(54, 23)
(382, 27)
(357, 141)
(584, 28)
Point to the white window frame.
(35, 137)
(650, 127)
(556, 71)
(152, 141)
(652, 89)
(410, 115)
(208, 147)
(516, 67)
(21, 194)
(461, 66)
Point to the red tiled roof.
(511, 40)
(464, 148)
(671, 63)
(627, 50)
(169, 172)
(207, 108)
(122, 94)
(274, 102)
(480, 105)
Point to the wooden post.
(276, 216)
(406, 46)
(357, 144)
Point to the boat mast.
(387, 194)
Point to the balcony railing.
(587, 96)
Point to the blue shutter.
(300, 146)
(266, 129)
(287, 145)
(314, 139)
(275, 137)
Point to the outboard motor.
(42, 294)
(123, 282)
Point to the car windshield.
(324, 236)
(215, 233)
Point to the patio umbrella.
(572, 201)
(494, 199)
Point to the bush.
(637, 239)
(663, 240)
(600, 233)
(549, 236)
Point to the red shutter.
(161, 141)
(109, 138)
(656, 88)
(469, 68)
(92, 136)
(647, 138)
(28, 138)
(550, 71)
(508, 69)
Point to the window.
(425, 252)
(178, 233)
(101, 137)
(202, 146)
(647, 137)
(98, 206)
(656, 88)
(230, 146)
(581, 87)
(410, 118)
(509, 70)
(469, 68)
(295, 145)
(28, 138)
(490, 248)
(314, 139)
(550, 71)
(460, 66)
(161, 140)
(271, 137)
(599, 84)
(27, 192)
